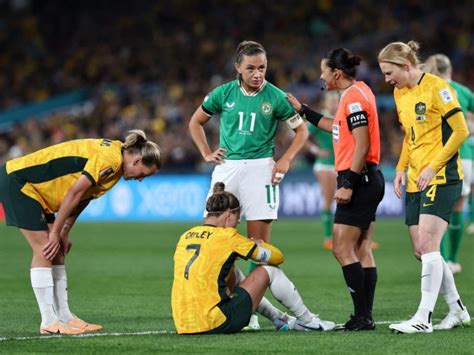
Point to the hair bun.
(354, 60)
(218, 187)
(414, 46)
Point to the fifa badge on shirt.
(335, 132)
(446, 95)
(420, 110)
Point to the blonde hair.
(136, 143)
(437, 64)
(400, 53)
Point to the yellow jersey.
(203, 259)
(424, 112)
(47, 174)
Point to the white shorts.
(250, 181)
(467, 170)
(323, 167)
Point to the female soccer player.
(250, 110)
(324, 165)
(61, 180)
(360, 184)
(434, 128)
(440, 65)
(201, 300)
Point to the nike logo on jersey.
(427, 204)
(230, 104)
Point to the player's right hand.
(398, 181)
(52, 247)
(216, 156)
(66, 244)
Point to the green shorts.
(20, 210)
(237, 311)
(437, 200)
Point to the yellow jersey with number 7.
(203, 259)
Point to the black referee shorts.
(360, 211)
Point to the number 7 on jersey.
(197, 248)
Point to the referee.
(360, 184)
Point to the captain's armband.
(268, 254)
(294, 122)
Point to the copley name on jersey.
(201, 235)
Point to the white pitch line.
(90, 335)
(147, 332)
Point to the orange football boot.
(61, 328)
(327, 244)
(86, 327)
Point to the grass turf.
(120, 276)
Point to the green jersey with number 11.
(248, 122)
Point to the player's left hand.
(279, 170)
(425, 178)
(343, 196)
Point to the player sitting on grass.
(203, 262)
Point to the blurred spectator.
(148, 64)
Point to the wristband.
(310, 115)
(352, 179)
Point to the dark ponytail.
(344, 60)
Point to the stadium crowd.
(149, 64)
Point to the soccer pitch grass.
(120, 276)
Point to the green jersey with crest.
(466, 100)
(324, 141)
(248, 122)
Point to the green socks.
(451, 242)
(252, 266)
(326, 220)
(456, 232)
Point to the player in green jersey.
(250, 109)
(440, 65)
(324, 165)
